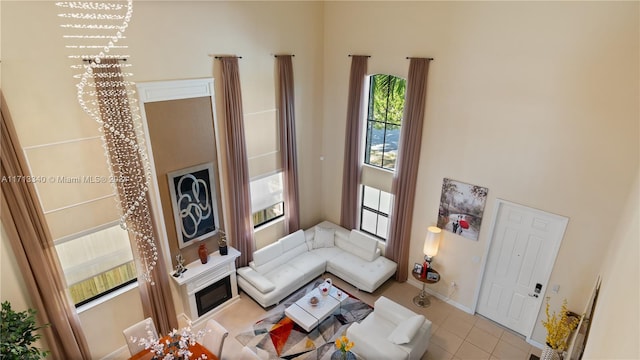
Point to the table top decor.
(175, 346)
(344, 346)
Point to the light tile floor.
(455, 334)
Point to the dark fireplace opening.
(213, 295)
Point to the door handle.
(533, 295)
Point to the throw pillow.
(324, 237)
(406, 330)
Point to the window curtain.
(241, 231)
(35, 253)
(352, 169)
(121, 147)
(404, 181)
(288, 152)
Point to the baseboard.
(455, 304)
(120, 353)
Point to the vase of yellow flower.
(559, 327)
(343, 345)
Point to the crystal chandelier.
(94, 32)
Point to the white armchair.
(390, 332)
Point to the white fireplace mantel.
(199, 276)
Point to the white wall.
(616, 321)
(537, 101)
(167, 40)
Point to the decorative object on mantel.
(461, 208)
(95, 32)
(180, 269)
(203, 253)
(173, 346)
(559, 328)
(222, 243)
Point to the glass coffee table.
(309, 315)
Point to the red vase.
(203, 253)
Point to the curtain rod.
(220, 57)
(90, 60)
(276, 55)
(409, 57)
(360, 55)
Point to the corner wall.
(537, 101)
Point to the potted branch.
(222, 243)
(559, 328)
(18, 331)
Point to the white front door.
(524, 244)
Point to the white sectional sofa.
(278, 269)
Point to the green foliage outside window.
(387, 99)
(384, 120)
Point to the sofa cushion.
(359, 244)
(309, 263)
(293, 245)
(324, 237)
(359, 272)
(406, 330)
(267, 258)
(285, 276)
(260, 282)
(292, 240)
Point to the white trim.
(445, 299)
(78, 204)
(104, 298)
(176, 90)
(173, 90)
(63, 142)
(260, 112)
(64, 239)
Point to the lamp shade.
(432, 241)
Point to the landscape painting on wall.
(461, 208)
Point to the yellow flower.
(559, 327)
(343, 344)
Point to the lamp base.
(421, 299)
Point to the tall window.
(96, 262)
(267, 201)
(384, 119)
(374, 212)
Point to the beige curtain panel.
(352, 170)
(35, 253)
(404, 181)
(241, 231)
(288, 151)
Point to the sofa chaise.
(280, 268)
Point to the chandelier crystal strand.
(96, 29)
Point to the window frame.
(104, 295)
(277, 206)
(377, 212)
(371, 121)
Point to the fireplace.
(208, 287)
(213, 295)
